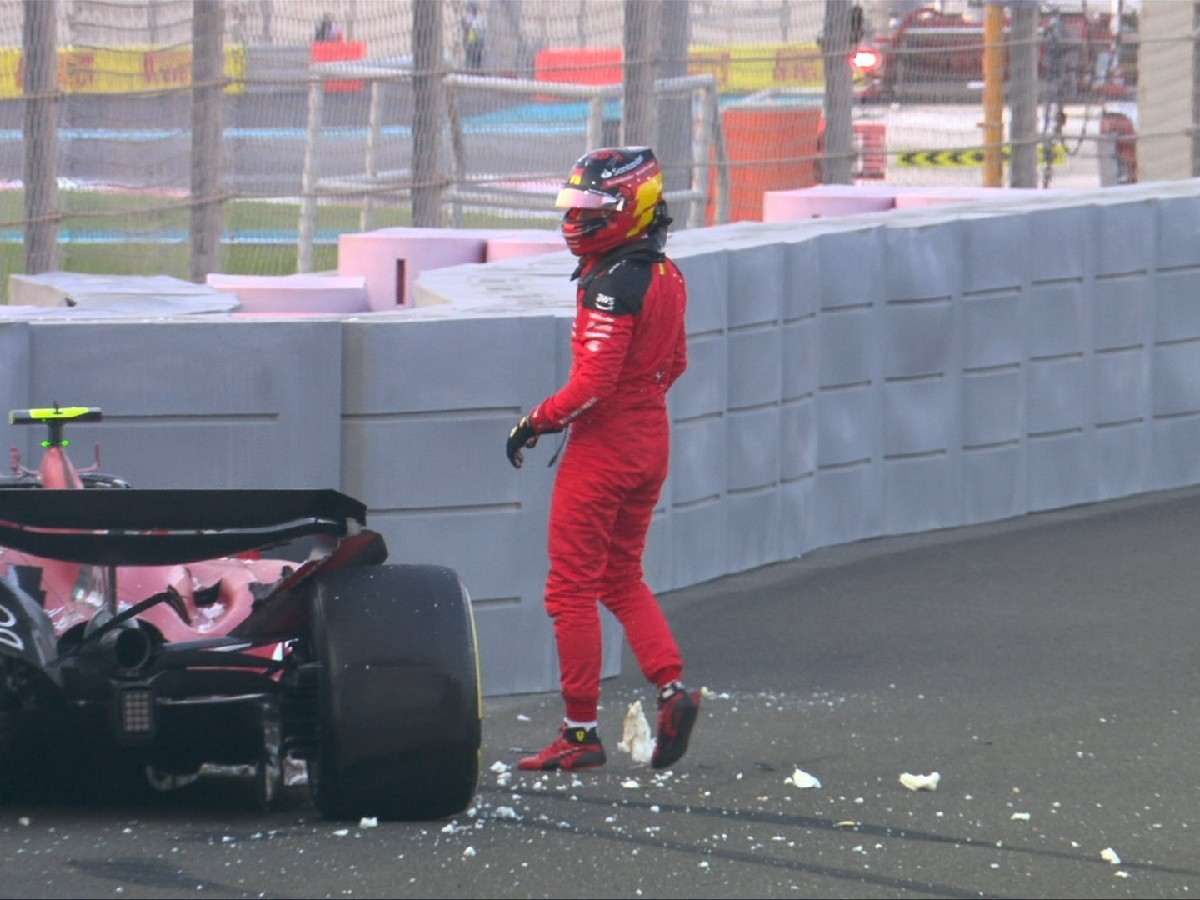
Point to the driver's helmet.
(611, 197)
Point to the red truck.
(931, 55)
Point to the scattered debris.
(846, 823)
(920, 782)
(1108, 854)
(1020, 817)
(368, 822)
(23, 821)
(630, 783)
(1121, 873)
(636, 739)
(342, 832)
(499, 768)
(521, 717)
(470, 851)
(506, 812)
(802, 780)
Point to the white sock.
(573, 724)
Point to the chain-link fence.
(322, 116)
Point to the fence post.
(427, 113)
(40, 174)
(674, 110)
(595, 125)
(208, 67)
(837, 166)
(374, 121)
(637, 119)
(1023, 82)
(702, 177)
(308, 176)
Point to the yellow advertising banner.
(124, 71)
(745, 68)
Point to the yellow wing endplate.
(44, 415)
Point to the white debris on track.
(499, 768)
(469, 852)
(631, 783)
(920, 782)
(1108, 854)
(1020, 817)
(636, 739)
(802, 780)
(368, 822)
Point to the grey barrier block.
(917, 338)
(1177, 224)
(756, 285)
(917, 416)
(802, 292)
(1119, 311)
(1056, 319)
(994, 331)
(1058, 392)
(14, 391)
(993, 408)
(993, 250)
(753, 449)
(1177, 312)
(1060, 471)
(1059, 242)
(798, 440)
(756, 362)
(200, 404)
(1125, 236)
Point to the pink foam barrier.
(293, 293)
(912, 197)
(524, 243)
(826, 201)
(390, 259)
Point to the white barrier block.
(294, 293)
(390, 259)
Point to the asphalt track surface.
(1047, 665)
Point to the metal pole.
(458, 146)
(674, 147)
(374, 117)
(702, 179)
(595, 124)
(993, 94)
(637, 124)
(837, 165)
(308, 178)
(1023, 84)
(427, 113)
(714, 114)
(40, 175)
(208, 57)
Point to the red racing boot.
(574, 748)
(677, 712)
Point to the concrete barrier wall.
(887, 374)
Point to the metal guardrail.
(708, 145)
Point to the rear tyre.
(399, 706)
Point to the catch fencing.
(328, 123)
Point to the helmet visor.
(577, 198)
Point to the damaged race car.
(144, 628)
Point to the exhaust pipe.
(129, 648)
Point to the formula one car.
(143, 629)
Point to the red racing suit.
(629, 347)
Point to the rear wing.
(167, 527)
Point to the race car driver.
(629, 347)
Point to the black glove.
(520, 437)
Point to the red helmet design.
(611, 198)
